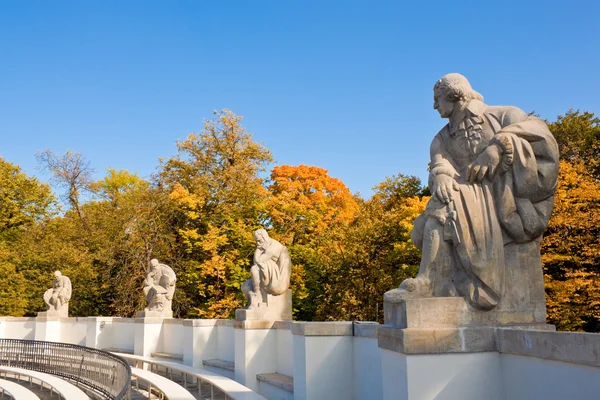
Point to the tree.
(375, 253)
(571, 251)
(214, 180)
(571, 245)
(71, 172)
(578, 138)
(24, 202)
(308, 210)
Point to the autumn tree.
(24, 202)
(571, 248)
(214, 180)
(375, 253)
(309, 211)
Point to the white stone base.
(472, 376)
(276, 308)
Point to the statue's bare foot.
(409, 289)
(418, 285)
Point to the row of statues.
(493, 174)
(270, 276)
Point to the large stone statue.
(267, 290)
(159, 288)
(57, 298)
(493, 174)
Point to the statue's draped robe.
(482, 217)
(275, 272)
(158, 284)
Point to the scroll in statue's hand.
(443, 186)
(486, 163)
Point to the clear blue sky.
(345, 85)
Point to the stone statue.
(268, 286)
(57, 298)
(159, 288)
(493, 174)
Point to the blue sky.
(344, 85)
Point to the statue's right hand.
(443, 188)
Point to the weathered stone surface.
(574, 347)
(254, 324)
(159, 288)
(283, 381)
(57, 298)
(493, 174)
(365, 328)
(439, 340)
(338, 328)
(267, 291)
(447, 312)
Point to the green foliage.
(571, 245)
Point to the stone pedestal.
(147, 335)
(47, 327)
(275, 308)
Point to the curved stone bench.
(171, 390)
(231, 388)
(67, 390)
(16, 391)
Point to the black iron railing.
(103, 372)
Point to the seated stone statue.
(270, 274)
(57, 298)
(493, 174)
(159, 288)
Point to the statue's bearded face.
(442, 104)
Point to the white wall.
(367, 368)
(527, 378)
(23, 328)
(172, 337)
(323, 367)
(285, 352)
(74, 331)
(226, 341)
(465, 376)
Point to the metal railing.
(105, 373)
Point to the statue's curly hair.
(456, 87)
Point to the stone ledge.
(74, 319)
(284, 325)
(223, 364)
(119, 320)
(445, 340)
(44, 316)
(174, 321)
(365, 329)
(150, 320)
(253, 324)
(168, 356)
(573, 347)
(225, 322)
(282, 381)
(334, 328)
(18, 319)
(118, 350)
(200, 322)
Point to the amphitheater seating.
(170, 389)
(16, 391)
(67, 390)
(233, 389)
